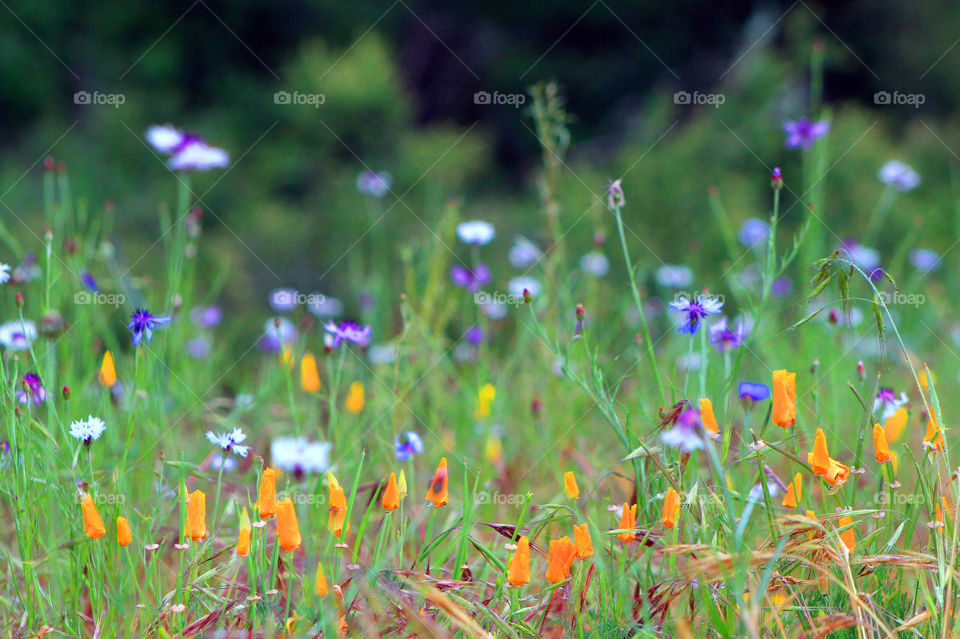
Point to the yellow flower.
(570, 487)
(309, 377)
(485, 397)
(108, 374)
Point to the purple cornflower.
(474, 335)
(924, 260)
(899, 175)
(142, 324)
(803, 133)
(615, 197)
(406, 445)
(782, 286)
(471, 279)
(33, 391)
(198, 347)
(206, 316)
(350, 332)
(684, 434)
(887, 403)
(187, 152)
(752, 231)
(695, 311)
(724, 338)
(751, 391)
(374, 183)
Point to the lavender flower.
(523, 253)
(406, 445)
(866, 258)
(142, 323)
(33, 391)
(206, 316)
(374, 183)
(694, 311)
(724, 338)
(752, 231)
(474, 335)
(476, 232)
(684, 434)
(899, 175)
(230, 442)
(924, 260)
(471, 279)
(803, 133)
(187, 152)
(751, 391)
(350, 332)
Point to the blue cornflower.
(753, 391)
(724, 338)
(406, 445)
(142, 324)
(350, 332)
(695, 311)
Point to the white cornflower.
(4, 273)
(17, 336)
(230, 442)
(87, 430)
(299, 456)
(595, 263)
(475, 232)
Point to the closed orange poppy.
(570, 485)
(819, 459)
(108, 374)
(288, 529)
(581, 537)
(628, 523)
(92, 524)
(707, 417)
(848, 536)
(124, 536)
(794, 492)
(196, 526)
(671, 508)
(309, 377)
(268, 493)
(338, 506)
(243, 542)
(320, 585)
(934, 434)
(784, 398)
(391, 494)
(518, 570)
(562, 553)
(881, 449)
(437, 493)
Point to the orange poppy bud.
(268, 493)
(196, 526)
(562, 553)
(895, 424)
(581, 537)
(391, 494)
(321, 583)
(288, 530)
(570, 485)
(437, 493)
(794, 492)
(784, 398)
(707, 417)
(947, 507)
(124, 536)
(355, 401)
(243, 542)
(309, 377)
(338, 507)
(881, 449)
(628, 523)
(848, 536)
(819, 459)
(934, 434)
(92, 524)
(108, 374)
(518, 570)
(671, 508)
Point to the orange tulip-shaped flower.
(895, 424)
(819, 459)
(437, 493)
(671, 508)
(848, 536)
(92, 524)
(108, 374)
(309, 377)
(268, 493)
(628, 523)
(707, 417)
(562, 553)
(320, 585)
(124, 536)
(355, 398)
(243, 542)
(391, 494)
(196, 526)
(518, 570)
(288, 529)
(794, 492)
(581, 537)
(338, 506)
(881, 449)
(934, 435)
(784, 398)
(570, 487)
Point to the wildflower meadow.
(540, 419)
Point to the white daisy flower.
(4, 273)
(87, 430)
